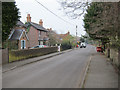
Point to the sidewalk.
(13, 65)
(101, 73)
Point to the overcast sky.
(37, 12)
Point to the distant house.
(58, 38)
(36, 33)
(18, 38)
(64, 36)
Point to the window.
(23, 44)
(40, 32)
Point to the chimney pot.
(28, 18)
(41, 22)
(50, 29)
(68, 33)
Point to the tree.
(74, 8)
(101, 22)
(101, 18)
(10, 16)
(68, 42)
(53, 38)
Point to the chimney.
(41, 22)
(28, 18)
(68, 33)
(50, 29)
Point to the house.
(58, 38)
(36, 33)
(24, 36)
(64, 36)
(18, 38)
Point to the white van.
(83, 45)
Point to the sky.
(37, 12)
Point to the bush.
(66, 45)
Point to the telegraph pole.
(76, 33)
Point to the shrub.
(66, 45)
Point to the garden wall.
(4, 56)
(24, 54)
(113, 55)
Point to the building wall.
(33, 37)
(23, 38)
(43, 34)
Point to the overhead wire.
(53, 12)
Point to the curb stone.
(81, 85)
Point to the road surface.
(62, 71)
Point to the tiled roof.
(19, 23)
(16, 35)
(37, 26)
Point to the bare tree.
(74, 8)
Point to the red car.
(99, 49)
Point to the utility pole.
(76, 33)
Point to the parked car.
(39, 46)
(83, 45)
(99, 49)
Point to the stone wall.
(113, 55)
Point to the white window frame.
(24, 44)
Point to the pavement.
(16, 64)
(100, 73)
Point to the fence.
(24, 54)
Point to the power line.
(53, 13)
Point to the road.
(62, 71)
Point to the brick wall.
(5, 56)
(33, 37)
(43, 34)
(27, 53)
(26, 41)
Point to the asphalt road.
(62, 71)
